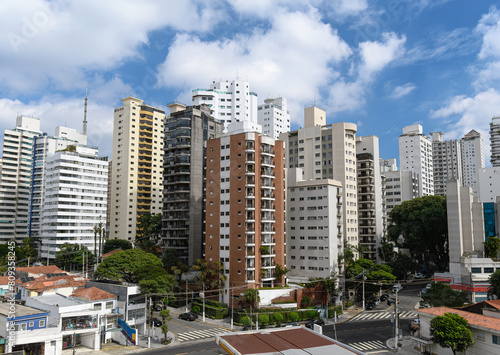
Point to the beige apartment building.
(137, 176)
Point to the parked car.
(428, 286)
(370, 306)
(397, 288)
(156, 322)
(384, 297)
(419, 275)
(414, 325)
(158, 307)
(311, 324)
(190, 316)
(424, 290)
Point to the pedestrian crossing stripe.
(200, 334)
(368, 345)
(383, 315)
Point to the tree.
(149, 227)
(401, 264)
(252, 296)
(206, 277)
(421, 225)
(443, 295)
(165, 316)
(4, 253)
(154, 279)
(386, 251)
(280, 271)
(71, 256)
(114, 244)
(178, 270)
(171, 258)
(451, 331)
(124, 265)
(29, 246)
(494, 280)
(492, 247)
(99, 236)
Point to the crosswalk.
(368, 345)
(383, 315)
(200, 334)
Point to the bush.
(312, 314)
(195, 309)
(293, 316)
(263, 319)
(245, 320)
(277, 318)
(305, 301)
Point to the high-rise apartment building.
(314, 227)
(274, 117)
(15, 178)
(495, 141)
(229, 101)
(245, 208)
(327, 152)
(372, 220)
(488, 184)
(446, 161)
(472, 146)
(69, 191)
(400, 186)
(137, 176)
(415, 154)
(187, 130)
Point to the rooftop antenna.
(85, 115)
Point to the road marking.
(368, 345)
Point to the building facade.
(229, 101)
(489, 184)
(415, 154)
(187, 130)
(400, 186)
(245, 209)
(15, 178)
(372, 220)
(274, 117)
(314, 227)
(446, 160)
(472, 146)
(137, 176)
(495, 141)
(327, 152)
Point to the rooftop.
(45, 283)
(21, 311)
(296, 340)
(48, 269)
(109, 253)
(474, 319)
(92, 294)
(58, 300)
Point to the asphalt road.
(208, 347)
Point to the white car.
(397, 288)
(419, 275)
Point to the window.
(97, 306)
(41, 323)
(494, 339)
(31, 324)
(109, 305)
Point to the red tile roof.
(494, 303)
(43, 283)
(472, 318)
(48, 269)
(4, 280)
(109, 253)
(92, 294)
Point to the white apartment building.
(372, 220)
(274, 117)
(314, 227)
(75, 201)
(327, 152)
(45, 146)
(229, 101)
(415, 154)
(446, 160)
(388, 165)
(495, 141)
(489, 184)
(400, 186)
(472, 146)
(15, 174)
(137, 176)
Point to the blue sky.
(380, 64)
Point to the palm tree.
(178, 270)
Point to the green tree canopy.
(114, 244)
(443, 295)
(165, 316)
(375, 275)
(125, 265)
(154, 279)
(70, 256)
(451, 331)
(494, 280)
(170, 258)
(492, 247)
(402, 264)
(149, 227)
(421, 225)
(252, 296)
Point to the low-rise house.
(31, 331)
(47, 284)
(485, 331)
(37, 271)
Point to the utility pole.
(363, 289)
(203, 301)
(232, 307)
(150, 320)
(186, 295)
(396, 321)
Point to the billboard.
(129, 332)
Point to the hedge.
(278, 316)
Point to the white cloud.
(377, 55)
(469, 113)
(489, 26)
(348, 7)
(345, 96)
(55, 42)
(293, 58)
(402, 90)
